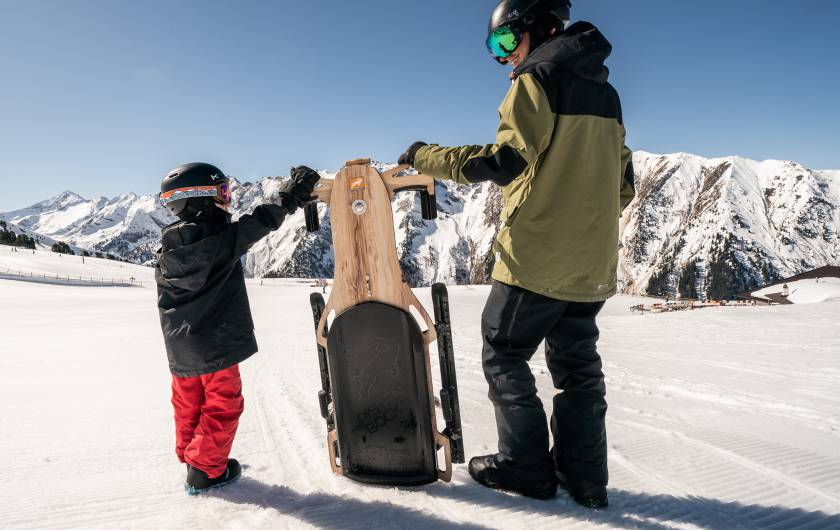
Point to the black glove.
(411, 152)
(297, 191)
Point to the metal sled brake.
(377, 394)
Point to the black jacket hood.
(582, 48)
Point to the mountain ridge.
(698, 227)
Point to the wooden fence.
(10, 274)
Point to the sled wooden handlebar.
(323, 190)
(417, 182)
(357, 162)
(394, 184)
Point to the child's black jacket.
(203, 305)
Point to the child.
(204, 311)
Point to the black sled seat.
(383, 416)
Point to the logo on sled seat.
(357, 183)
(384, 361)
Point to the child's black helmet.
(525, 11)
(196, 185)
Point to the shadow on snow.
(627, 509)
(329, 511)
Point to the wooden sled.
(376, 377)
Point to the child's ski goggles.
(502, 42)
(219, 192)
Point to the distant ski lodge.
(785, 291)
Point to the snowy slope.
(710, 423)
(46, 262)
(41, 241)
(810, 291)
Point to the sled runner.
(377, 394)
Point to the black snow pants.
(514, 323)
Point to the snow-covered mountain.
(699, 227)
(713, 227)
(127, 225)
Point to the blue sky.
(103, 97)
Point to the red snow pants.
(207, 410)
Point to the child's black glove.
(297, 191)
(410, 153)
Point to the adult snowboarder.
(204, 311)
(565, 174)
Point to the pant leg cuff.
(210, 471)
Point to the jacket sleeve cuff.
(437, 162)
(421, 159)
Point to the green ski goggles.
(502, 42)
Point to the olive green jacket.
(566, 173)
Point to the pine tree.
(688, 281)
(62, 248)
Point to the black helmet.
(542, 18)
(524, 11)
(194, 187)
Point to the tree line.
(7, 237)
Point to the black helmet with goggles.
(196, 182)
(511, 18)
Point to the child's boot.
(198, 481)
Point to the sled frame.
(367, 266)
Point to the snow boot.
(490, 472)
(198, 481)
(583, 492)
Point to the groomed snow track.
(719, 419)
